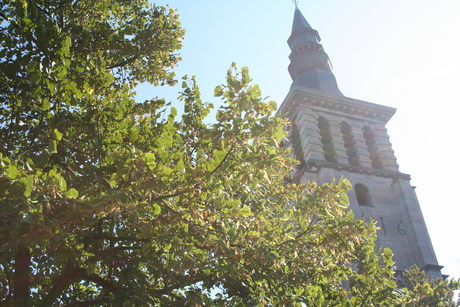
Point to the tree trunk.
(21, 278)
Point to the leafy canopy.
(109, 202)
(425, 292)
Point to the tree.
(109, 202)
(425, 292)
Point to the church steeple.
(310, 66)
(334, 136)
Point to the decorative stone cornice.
(341, 105)
(310, 46)
(313, 166)
(432, 267)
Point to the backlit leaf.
(245, 211)
(12, 171)
(72, 193)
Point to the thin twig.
(223, 160)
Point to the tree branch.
(300, 234)
(3, 16)
(123, 272)
(223, 160)
(169, 196)
(61, 284)
(97, 279)
(95, 302)
(103, 236)
(21, 277)
(126, 62)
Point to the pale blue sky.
(403, 54)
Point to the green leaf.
(219, 155)
(45, 105)
(388, 256)
(37, 92)
(29, 185)
(156, 209)
(150, 156)
(266, 176)
(255, 91)
(58, 135)
(72, 193)
(113, 183)
(62, 183)
(220, 116)
(35, 77)
(133, 134)
(245, 74)
(184, 227)
(344, 199)
(273, 105)
(279, 134)
(167, 171)
(52, 146)
(246, 211)
(218, 91)
(50, 86)
(12, 171)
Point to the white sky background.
(403, 54)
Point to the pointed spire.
(302, 31)
(299, 21)
(310, 66)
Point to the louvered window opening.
(326, 140)
(350, 144)
(372, 148)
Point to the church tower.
(334, 136)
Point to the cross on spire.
(296, 2)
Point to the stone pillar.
(387, 154)
(310, 139)
(361, 146)
(337, 139)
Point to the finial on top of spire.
(296, 3)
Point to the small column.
(310, 138)
(337, 139)
(361, 146)
(385, 148)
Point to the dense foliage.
(109, 202)
(425, 292)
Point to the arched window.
(326, 140)
(350, 144)
(372, 148)
(363, 195)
